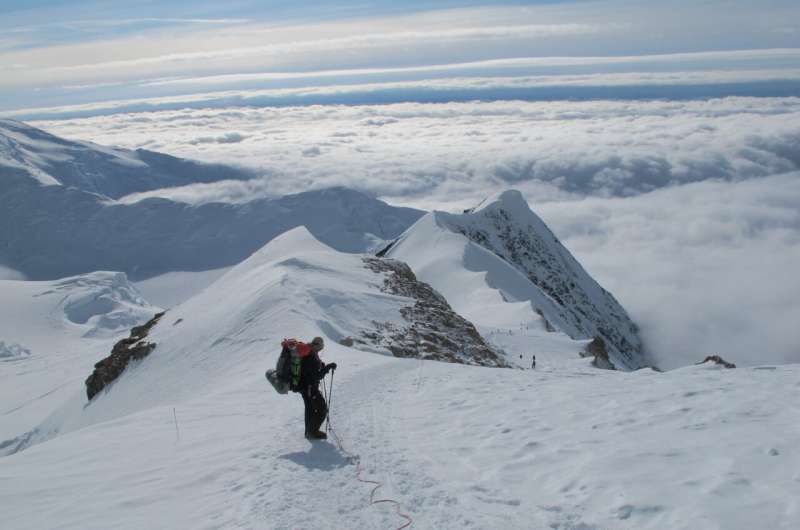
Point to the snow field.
(457, 446)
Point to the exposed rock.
(597, 349)
(123, 352)
(434, 330)
(347, 341)
(717, 360)
(382, 252)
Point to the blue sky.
(66, 53)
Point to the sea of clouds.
(688, 211)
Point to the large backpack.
(286, 375)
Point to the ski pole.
(330, 400)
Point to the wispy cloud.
(159, 61)
(132, 55)
(692, 84)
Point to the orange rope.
(377, 485)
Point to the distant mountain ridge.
(535, 270)
(112, 172)
(59, 218)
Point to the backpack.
(286, 375)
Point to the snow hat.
(318, 343)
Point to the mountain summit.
(500, 265)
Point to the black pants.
(316, 409)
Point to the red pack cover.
(301, 348)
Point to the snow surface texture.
(499, 265)
(52, 333)
(50, 160)
(51, 231)
(196, 437)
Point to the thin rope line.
(359, 469)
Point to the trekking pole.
(330, 399)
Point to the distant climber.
(533, 363)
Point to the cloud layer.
(689, 212)
(706, 268)
(429, 155)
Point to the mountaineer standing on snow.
(312, 370)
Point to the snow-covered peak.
(296, 241)
(509, 200)
(501, 255)
(113, 172)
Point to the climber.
(312, 370)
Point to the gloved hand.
(330, 367)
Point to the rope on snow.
(376, 484)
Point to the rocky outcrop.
(716, 359)
(433, 331)
(597, 349)
(124, 351)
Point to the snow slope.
(52, 333)
(501, 267)
(194, 437)
(295, 284)
(173, 288)
(112, 172)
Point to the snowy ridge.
(293, 285)
(500, 265)
(112, 172)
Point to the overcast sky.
(660, 140)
